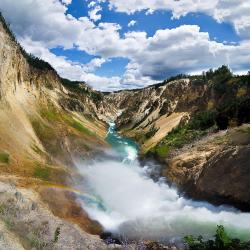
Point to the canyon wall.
(44, 127)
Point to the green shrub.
(170, 79)
(194, 243)
(6, 27)
(162, 150)
(202, 120)
(2, 209)
(243, 110)
(220, 78)
(36, 62)
(237, 109)
(36, 242)
(9, 223)
(182, 135)
(4, 158)
(56, 234)
(221, 241)
(198, 126)
(222, 121)
(96, 96)
(151, 132)
(42, 172)
(79, 88)
(74, 86)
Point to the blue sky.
(115, 44)
(160, 19)
(221, 32)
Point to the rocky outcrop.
(43, 128)
(27, 223)
(216, 168)
(147, 114)
(36, 99)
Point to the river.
(129, 203)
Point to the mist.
(133, 205)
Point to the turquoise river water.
(128, 202)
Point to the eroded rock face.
(215, 169)
(26, 222)
(226, 177)
(144, 112)
(43, 127)
(64, 203)
(31, 97)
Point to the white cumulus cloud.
(43, 25)
(67, 2)
(132, 23)
(94, 13)
(94, 64)
(235, 12)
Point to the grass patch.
(4, 158)
(36, 242)
(77, 125)
(177, 138)
(50, 114)
(42, 172)
(49, 137)
(2, 209)
(201, 124)
(162, 150)
(44, 132)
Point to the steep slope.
(151, 113)
(27, 223)
(43, 129)
(215, 168)
(35, 97)
(175, 123)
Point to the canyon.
(50, 126)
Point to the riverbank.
(197, 168)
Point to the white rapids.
(135, 206)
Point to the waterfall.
(137, 207)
